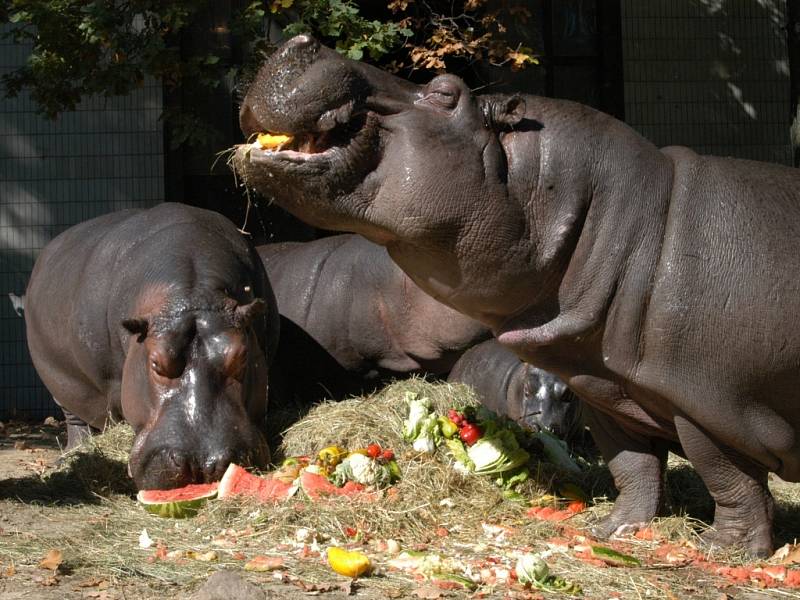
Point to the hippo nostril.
(215, 465)
(176, 459)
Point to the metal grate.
(709, 74)
(104, 156)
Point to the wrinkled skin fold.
(163, 318)
(661, 285)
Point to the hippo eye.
(157, 368)
(441, 94)
(171, 369)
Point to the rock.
(224, 585)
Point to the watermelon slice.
(316, 486)
(178, 503)
(238, 482)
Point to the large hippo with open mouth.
(506, 385)
(345, 294)
(164, 318)
(661, 285)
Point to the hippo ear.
(137, 326)
(504, 112)
(247, 312)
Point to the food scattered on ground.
(439, 529)
(347, 563)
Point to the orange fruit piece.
(269, 141)
(349, 564)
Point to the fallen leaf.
(97, 582)
(49, 581)
(314, 589)
(10, 571)
(261, 563)
(428, 592)
(52, 561)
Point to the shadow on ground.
(84, 479)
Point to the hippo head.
(194, 388)
(369, 152)
(547, 402)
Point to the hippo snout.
(171, 467)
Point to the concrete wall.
(104, 156)
(709, 74)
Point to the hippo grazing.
(661, 285)
(504, 384)
(163, 318)
(356, 320)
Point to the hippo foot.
(621, 522)
(752, 532)
(756, 544)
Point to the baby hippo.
(532, 397)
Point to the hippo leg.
(77, 430)
(637, 465)
(744, 505)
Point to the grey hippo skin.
(662, 286)
(356, 320)
(164, 318)
(504, 384)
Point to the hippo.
(661, 285)
(163, 318)
(355, 320)
(504, 384)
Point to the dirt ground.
(29, 511)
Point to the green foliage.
(340, 23)
(81, 48)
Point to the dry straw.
(93, 518)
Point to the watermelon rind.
(179, 509)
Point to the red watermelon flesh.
(179, 502)
(188, 492)
(238, 482)
(316, 486)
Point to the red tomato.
(374, 450)
(455, 416)
(470, 433)
(387, 454)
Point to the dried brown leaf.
(261, 563)
(52, 560)
(428, 592)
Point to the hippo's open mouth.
(333, 150)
